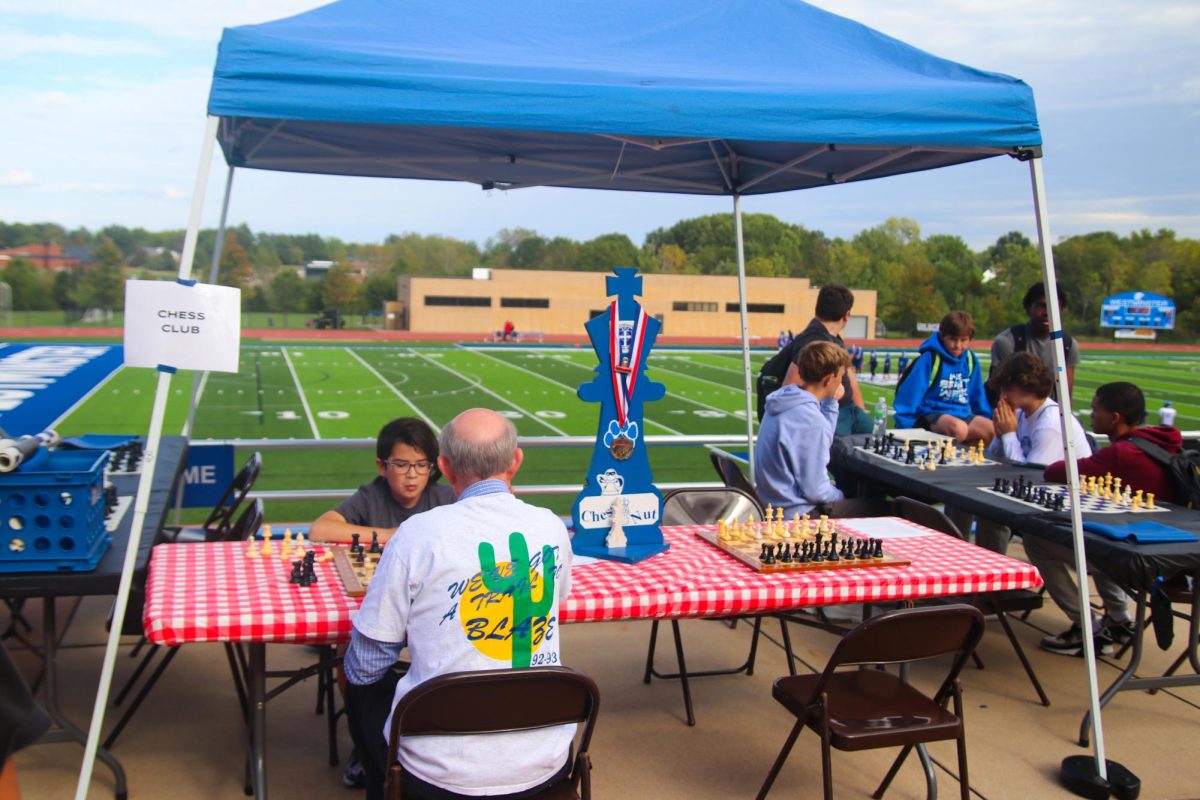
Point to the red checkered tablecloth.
(212, 592)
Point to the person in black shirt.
(834, 302)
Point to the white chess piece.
(616, 532)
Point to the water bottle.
(881, 416)
(1166, 414)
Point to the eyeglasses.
(419, 467)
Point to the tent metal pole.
(1064, 400)
(142, 499)
(741, 267)
(218, 248)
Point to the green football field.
(332, 392)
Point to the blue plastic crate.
(52, 513)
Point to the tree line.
(918, 277)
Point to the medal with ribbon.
(625, 342)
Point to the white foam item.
(885, 528)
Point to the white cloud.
(54, 99)
(19, 44)
(200, 20)
(16, 177)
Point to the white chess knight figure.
(619, 516)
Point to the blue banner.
(40, 383)
(208, 473)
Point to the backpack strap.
(1020, 336)
(1157, 453)
(934, 370)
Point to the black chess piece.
(762, 553)
(360, 558)
(354, 545)
(877, 551)
(297, 576)
(912, 455)
(996, 485)
(770, 559)
(785, 553)
(802, 554)
(375, 548)
(309, 574)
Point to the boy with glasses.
(406, 452)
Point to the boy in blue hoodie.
(944, 391)
(791, 458)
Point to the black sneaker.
(355, 776)
(1070, 643)
(1115, 633)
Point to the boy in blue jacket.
(944, 391)
(791, 458)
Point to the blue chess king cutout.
(617, 514)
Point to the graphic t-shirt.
(469, 587)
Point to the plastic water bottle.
(881, 418)
(1166, 414)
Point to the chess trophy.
(616, 516)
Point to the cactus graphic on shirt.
(517, 585)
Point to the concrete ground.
(187, 740)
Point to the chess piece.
(354, 545)
(267, 549)
(770, 549)
(252, 549)
(616, 530)
(785, 554)
(1150, 501)
(375, 546)
(296, 576)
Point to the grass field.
(331, 392)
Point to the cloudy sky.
(104, 110)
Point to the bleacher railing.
(525, 442)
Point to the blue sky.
(105, 110)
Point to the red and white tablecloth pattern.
(212, 592)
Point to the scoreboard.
(1138, 310)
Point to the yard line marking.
(737, 414)
(486, 390)
(698, 378)
(436, 428)
(649, 421)
(312, 423)
(54, 425)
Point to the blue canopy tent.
(720, 97)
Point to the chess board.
(355, 577)
(1090, 503)
(926, 454)
(748, 552)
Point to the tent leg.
(218, 248)
(1064, 399)
(741, 267)
(142, 499)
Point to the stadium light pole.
(1045, 249)
(149, 459)
(741, 268)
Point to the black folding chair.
(864, 709)
(247, 525)
(1001, 604)
(216, 527)
(500, 701)
(701, 507)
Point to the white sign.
(596, 512)
(185, 327)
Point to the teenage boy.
(1118, 409)
(1028, 430)
(791, 458)
(1033, 336)
(944, 392)
(834, 302)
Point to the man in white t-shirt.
(446, 588)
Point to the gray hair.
(474, 459)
